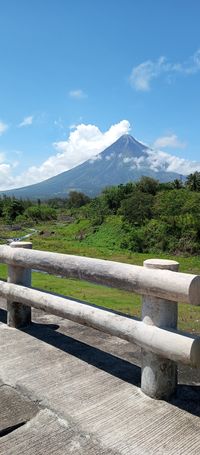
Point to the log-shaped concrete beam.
(169, 344)
(166, 284)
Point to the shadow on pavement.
(187, 396)
(94, 356)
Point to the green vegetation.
(145, 216)
(128, 223)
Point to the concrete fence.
(157, 281)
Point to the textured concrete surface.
(85, 384)
(47, 434)
(14, 409)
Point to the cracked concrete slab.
(90, 381)
(47, 434)
(14, 408)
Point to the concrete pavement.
(76, 391)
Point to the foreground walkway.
(67, 389)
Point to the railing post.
(19, 315)
(159, 375)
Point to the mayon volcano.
(125, 160)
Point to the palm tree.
(177, 184)
(193, 181)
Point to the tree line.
(156, 217)
(160, 217)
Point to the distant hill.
(125, 160)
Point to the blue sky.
(75, 75)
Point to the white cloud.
(95, 158)
(127, 159)
(77, 94)
(85, 142)
(136, 162)
(110, 156)
(6, 178)
(162, 161)
(3, 127)
(169, 141)
(26, 121)
(143, 74)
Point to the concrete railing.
(158, 282)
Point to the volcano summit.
(125, 160)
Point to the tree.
(77, 199)
(112, 198)
(114, 195)
(168, 204)
(12, 208)
(177, 184)
(193, 181)
(137, 208)
(96, 211)
(148, 185)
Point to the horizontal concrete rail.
(167, 344)
(164, 284)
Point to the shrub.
(137, 208)
(40, 213)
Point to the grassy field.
(103, 243)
